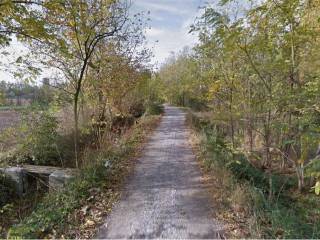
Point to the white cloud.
(157, 6)
(154, 32)
(171, 20)
(170, 26)
(170, 41)
(165, 39)
(14, 51)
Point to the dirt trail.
(165, 197)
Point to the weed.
(52, 214)
(243, 189)
(154, 109)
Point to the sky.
(168, 31)
(170, 24)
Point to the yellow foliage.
(213, 89)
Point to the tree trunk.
(183, 99)
(231, 116)
(75, 111)
(300, 176)
(76, 129)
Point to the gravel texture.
(166, 196)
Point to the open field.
(8, 118)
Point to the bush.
(137, 109)
(197, 105)
(154, 109)
(53, 211)
(38, 138)
(286, 216)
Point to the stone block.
(59, 178)
(18, 177)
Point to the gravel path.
(165, 197)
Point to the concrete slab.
(59, 178)
(18, 176)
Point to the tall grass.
(52, 213)
(244, 190)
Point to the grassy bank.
(77, 210)
(241, 191)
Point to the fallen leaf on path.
(89, 223)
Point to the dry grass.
(242, 202)
(88, 200)
(231, 201)
(86, 220)
(8, 118)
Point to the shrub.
(154, 109)
(38, 138)
(53, 211)
(312, 170)
(197, 105)
(286, 216)
(137, 109)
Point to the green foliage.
(18, 94)
(285, 216)
(243, 170)
(258, 73)
(313, 168)
(222, 153)
(181, 80)
(317, 188)
(2, 98)
(312, 171)
(154, 109)
(52, 213)
(86, 42)
(39, 138)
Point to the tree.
(258, 72)
(68, 36)
(73, 29)
(180, 75)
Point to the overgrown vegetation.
(154, 109)
(53, 216)
(256, 67)
(241, 191)
(253, 77)
(39, 137)
(93, 107)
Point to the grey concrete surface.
(59, 178)
(165, 197)
(18, 177)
